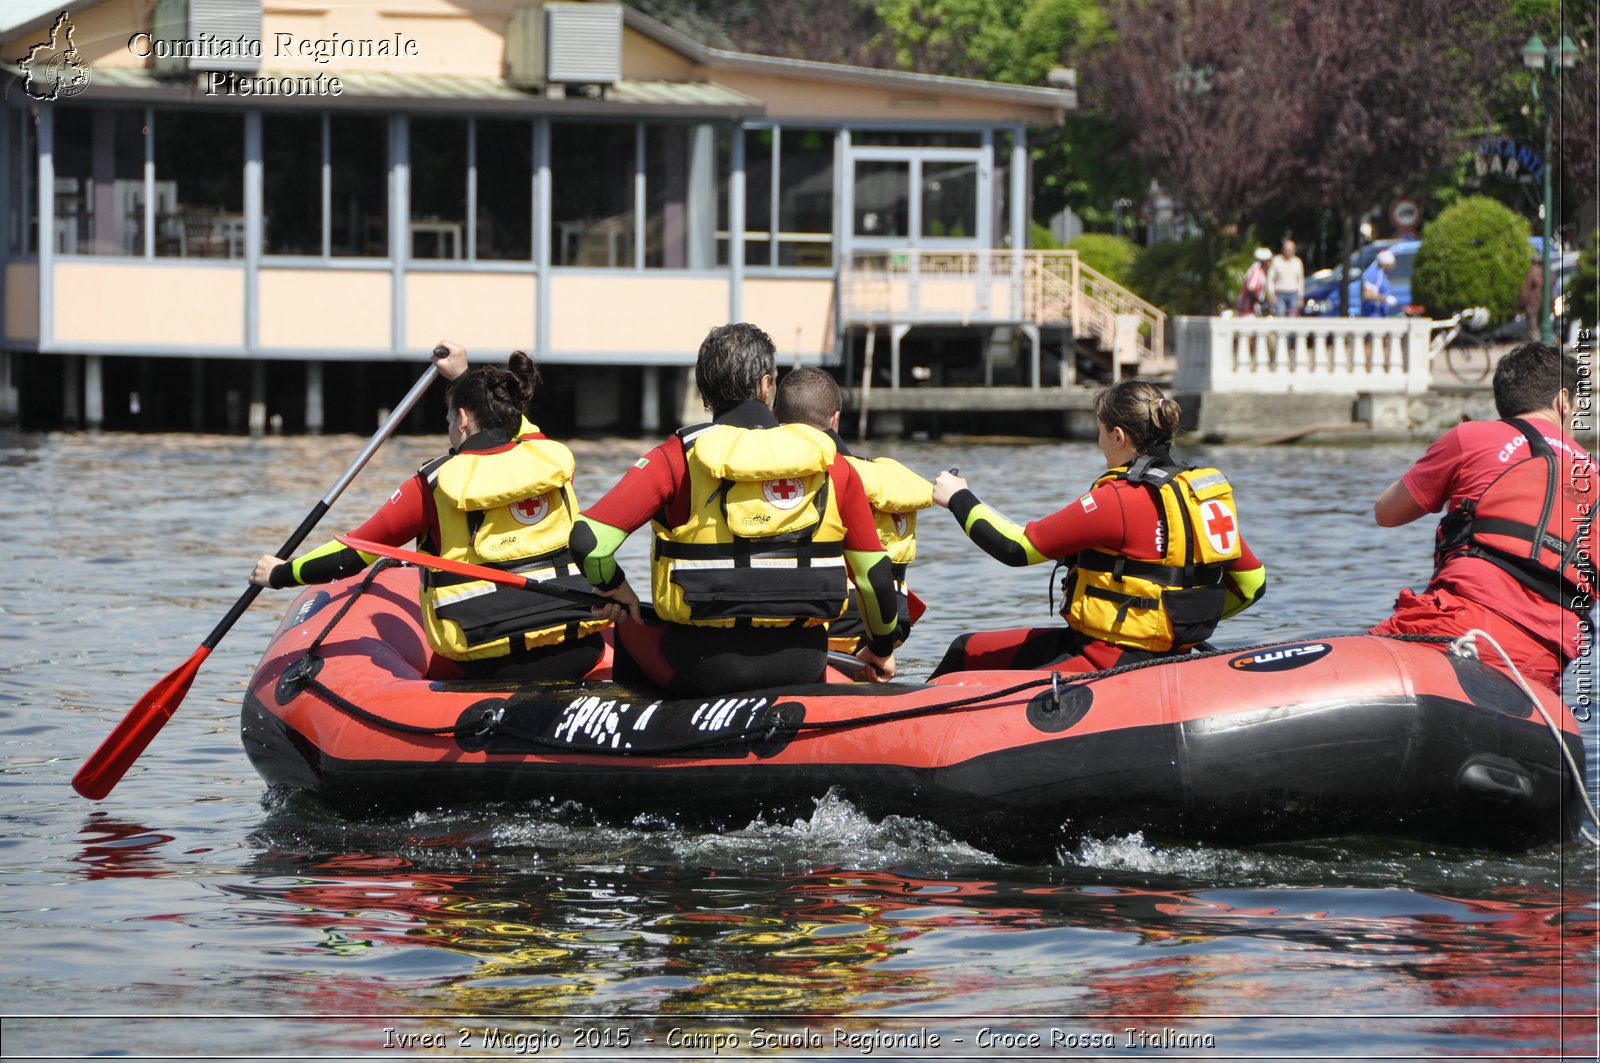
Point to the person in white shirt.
(1286, 280)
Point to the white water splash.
(1132, 853)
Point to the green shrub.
(1040, 236)
(1583, 287)
(1475, 253)
(1189, 276)
(1112, 255)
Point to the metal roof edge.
(41, 21)
(1035, 95)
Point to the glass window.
(805, 197)
(22, 209)
(199, 185)
(759, 149)
(1002, 186)
(99, 181)
(592, 209)
(438, 188)
(358, 165)
(666, 210)
(883, 198)
(950, 199)
(505, 190)
(291, 184)
(912, 138)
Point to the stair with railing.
(1053, 289)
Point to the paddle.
(107, 764)
(842, 661)
(915, 606)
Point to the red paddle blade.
(915, 606)
(107, 765)
(442, 564)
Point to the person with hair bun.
(503, 496)
(1154, 554)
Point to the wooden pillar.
(72, 392)
(94, 393)
(197, 394)
(650, 402)
(314, 420)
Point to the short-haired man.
(1513, 554)
(811, 396)
(755, 524)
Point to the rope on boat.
(989, 699)
(308, 665)
(493, 722)
(1467, 646)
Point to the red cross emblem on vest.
(531, 510)
(785, 494)
(1220, 527)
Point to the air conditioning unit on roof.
(583, 43)
(202, 35)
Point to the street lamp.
(1535, 56)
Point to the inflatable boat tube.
(1323, 737)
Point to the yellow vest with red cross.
(763, 544)
(510, 510)
(1172, 602)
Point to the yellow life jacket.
(895, 493)
(1173, 602)
(763, 543)
(510, 510)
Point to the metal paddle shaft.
(842, 661)
(110, 762)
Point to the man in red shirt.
(1513, 556)
(744, 609)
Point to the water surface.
(192, 914)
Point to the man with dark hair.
(811, 396)
(756, 524)
(1513, 554)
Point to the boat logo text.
(1281, 658)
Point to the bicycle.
(1468, 353)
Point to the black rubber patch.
(1059, 707)
(1490, 688)
(476, 724)
(615, 722)
(783, 719)
(1280, 658)
(295, 677)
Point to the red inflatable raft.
(1325, 737)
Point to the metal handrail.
(1049, 288)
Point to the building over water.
(270, 209)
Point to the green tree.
(1112, 255)
(1474, 254)
(1017, 41)
(1583, 289)
(1021, 41)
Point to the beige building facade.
(278, 187)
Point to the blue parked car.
(1322, 297)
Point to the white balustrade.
(1303, 355)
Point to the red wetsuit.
(1118, 516)
(1471, 592)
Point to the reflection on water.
(192, 893)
